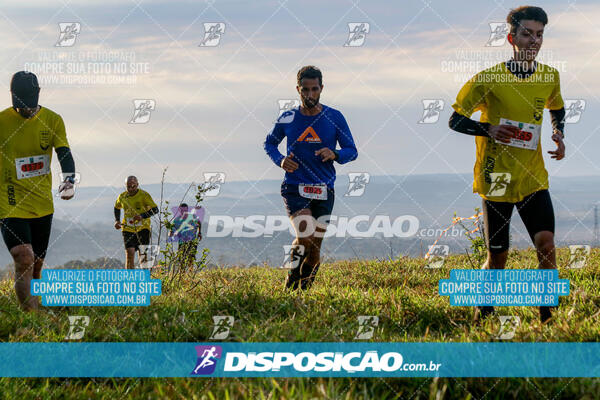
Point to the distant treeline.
(102, 262)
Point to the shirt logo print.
(309, 135)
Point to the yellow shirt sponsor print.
(134, 205)
(26, 145)
(499, 94)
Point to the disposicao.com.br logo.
(207, 359)
(283, 363)
(359, 226)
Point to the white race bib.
(315, 192)
(28, 167)
(134, 224)
(527, 137)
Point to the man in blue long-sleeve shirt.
(312, 131)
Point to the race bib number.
(28, 167)
(315, 192)
(131, 223)
(527, 137)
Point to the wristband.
(486, 128)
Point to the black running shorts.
(294, 202)
(535, 210)
(33, 231)
(135, 239)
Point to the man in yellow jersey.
(509, 168)
(28, 133)
(138, 207)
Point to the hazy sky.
(214, 105)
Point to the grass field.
(400, 292)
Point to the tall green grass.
(400, 292)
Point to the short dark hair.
(183, 205)
(515, 16)
(310, 72)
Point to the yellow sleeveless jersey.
(506, 172)
(134, 205)
(26, 146)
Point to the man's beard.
(26, 113)
(309, 103)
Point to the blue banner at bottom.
(300, 359)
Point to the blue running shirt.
(307, 134)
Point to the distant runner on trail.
(312, 132)
(509, 168)
(187, 232)
(138, 207)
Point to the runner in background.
(138, 207)
(186, 231)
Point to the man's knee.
(304, 225)
(544, 241)
(23, 256)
